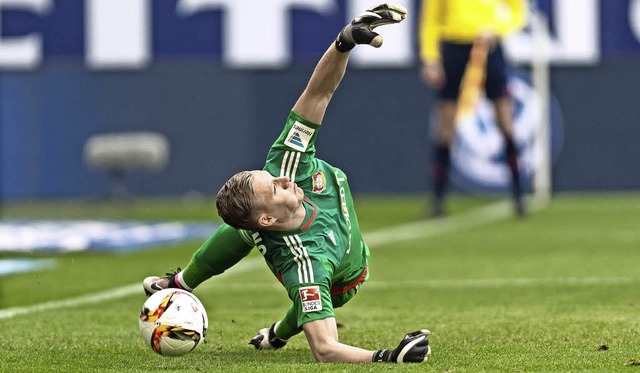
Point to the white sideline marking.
(428, 228)
(421, 229)
(502, 282)
(70, 302)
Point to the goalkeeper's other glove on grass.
(267, 339)
(360, 30)
(414, 348)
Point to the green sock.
(221, 251)
(288, 326)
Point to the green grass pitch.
(555, 292)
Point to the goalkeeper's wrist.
(343, 45)
(383, 356)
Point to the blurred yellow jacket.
(463, 20)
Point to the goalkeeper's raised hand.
(414, 348)
(360, 30)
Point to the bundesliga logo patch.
(311, 300)
(319, 182)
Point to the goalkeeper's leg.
(222, 250)
(288, 326)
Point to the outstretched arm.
(322, 336)
(326, 77)
(323, 340)
(330, 70)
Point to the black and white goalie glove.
(267, 339)
(414, 348)
(360, 30)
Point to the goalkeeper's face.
(278, 196)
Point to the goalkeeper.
(298, 211)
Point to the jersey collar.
(311, 211)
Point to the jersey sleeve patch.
(299, 137)
(311, 298)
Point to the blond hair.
(236, 202)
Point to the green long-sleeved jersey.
(324, 259)
(326, 255)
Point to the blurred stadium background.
(197, 73)
(111, 99)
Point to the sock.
(288, 326)
(222, 250)
(178, 281)
(440, 172)
(512, 160)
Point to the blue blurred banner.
(131, 34)
(30, 236)
(10, 266)
(218, 77)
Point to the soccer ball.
(173, 322)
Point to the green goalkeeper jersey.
(325, 256)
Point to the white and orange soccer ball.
(173, 322)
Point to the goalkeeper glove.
(360, 30)
(414, 348)
(267, 339)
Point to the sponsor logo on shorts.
(319, 182)
(311, 299)
(299, 136)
